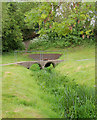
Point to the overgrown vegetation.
(13, 25)
(72, 100)
(64, 24)
(45, 42)
(11, 31)
(67, 91)
(35, 67)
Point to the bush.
(35, 67)
(39, 42)
(49, 69)
(47, 41)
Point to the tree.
(45, 16)
(11, 32)
(13, 24)
(62, 18)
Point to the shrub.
(39, 42)
(49, 68)
(47, 41)
(35, 67)
(21, 46)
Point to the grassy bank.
(11, 57)
(66, 91)
(22, 97)
(75, 53)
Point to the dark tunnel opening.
(48, 64)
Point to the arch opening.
(49, 63)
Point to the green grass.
(39, 94)
(71, 92)
(79, 53)
(17, 57)
(69, 54)
(22, 56)
(22, 97)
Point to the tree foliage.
(63, 18)
(11, 31)
(13, 24)
(55, 19)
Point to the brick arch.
(42, 64)
(49, 63)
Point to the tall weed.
(71, 99)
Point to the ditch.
(69, 99)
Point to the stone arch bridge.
(41, 63)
